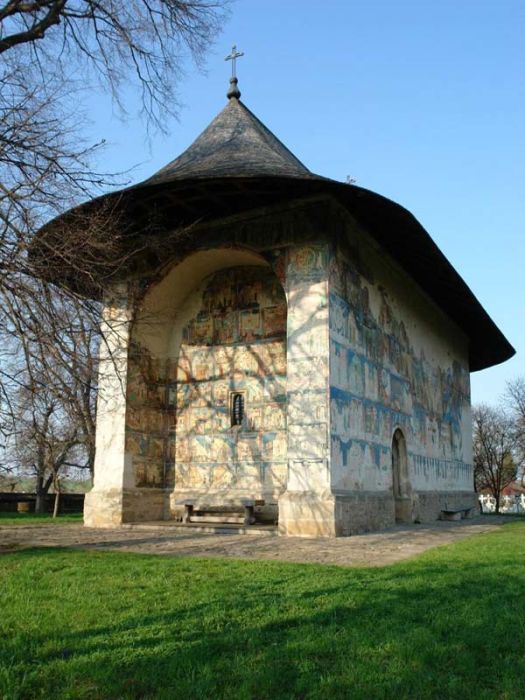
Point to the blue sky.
(422, 101)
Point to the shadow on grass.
(447, 625)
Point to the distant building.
(301, 349)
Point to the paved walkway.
(373, 549)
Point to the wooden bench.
(241, 514)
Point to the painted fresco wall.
(353, 351)
(231, 337)
(307, 507)
(395, 361)
(149, 417)
(308, 351)
(231, 334)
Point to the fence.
(69, 502)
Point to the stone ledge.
(112, 508)
(305, 514)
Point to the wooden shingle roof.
(237, 165)
(235, 144)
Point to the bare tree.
(494, 446)
(114, 40)
(52, 391)
(47, 331)
(45, 164)
(514, 399)
(43, 440)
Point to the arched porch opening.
(206, 415)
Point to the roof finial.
(234, 90)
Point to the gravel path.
(372, 549)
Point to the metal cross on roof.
(233, 58)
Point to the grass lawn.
(39, 519)
(449, 624)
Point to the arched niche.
(161, 305)
(213, 328)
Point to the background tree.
(53, 392)
(494, 450)
(514, 400)
(44, 441)
(48, 333)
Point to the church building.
(290, 348)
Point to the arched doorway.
(400, 481)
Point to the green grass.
(449, 624)
(38, 519)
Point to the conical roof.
(237, 165)
(235, 144)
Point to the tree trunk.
(57, 504)
(42, 487)
(40, 503)
(91, 461)
(497, 497)
(56, 485)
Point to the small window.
(237, 409)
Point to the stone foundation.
(367, 511)
(362, 512)
(300, 514)
(340, 515)
(307, 515)
(431, 503)
(112, 508)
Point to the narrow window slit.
(237, 409)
